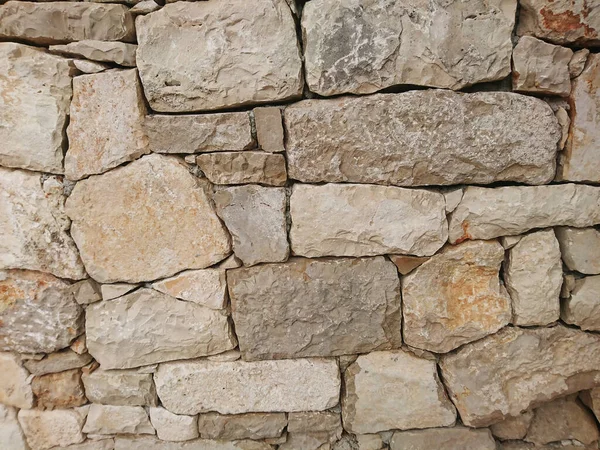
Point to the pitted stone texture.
(431, 137)
(455, 297)
(103, 419)
(159, 328)
(241, 426)
(236, 53)
(38, 313)
(243, 167)
(199, 132)
(394, 390)
(561, 21)
(15, 387)
(486, 213)
(533, 276)
(152, 443)
(515, 369)
(173, 427)
(147, 220)
(458, 438)
(308, 307)
(362, 46)
(541, 68)
(255, 217)
(115, 52)
(33, 225)
(512, 428)
(206, 287)
(48, 429)
(35, 91)
(580, 248)
(364, 220)
(59, 390)
(582, 308)
(61, 22)
(11, 436)
(120, 388)
(239, 387)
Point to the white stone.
(173, 427)
(206, 287)
(11, 436)
(86, 292)
(582, 308)
(116, 290)
(57, 428)
(85, 66)
(580, 248)
(104, 419)
(15, 386)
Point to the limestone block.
(11, 436)
(120, 388)
(59, 390)
(582, 308)
(269, 128)
(152, 443)
(173, 427)
(116, 290)
(206, 287)
(86, 292)
(577, 63)
(113, 52)
(458, 438)
(57, 428)
(104, 419)
(580, 248)
(407, 264)
(243, 167)
(512, 427)
(15, 386)
(241, 426)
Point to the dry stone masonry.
(300, 225)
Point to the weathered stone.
(243, 167)
(57, 362)
(362, 46)
(159, 222)
(228, 62)
(34, 226)
(512, 427)
(309, 307)
(241, 426)
(35, 91)
(206, 287)
(533, 277)
(58, 428)
(458, 438)
(486, 213)
(59, 390)
(11, 436)
(145, 7)
(582, 308)
(103, 443)
(509, 242)
(239, 387)
(115, 52)
(406, 264)
(568, 285)
(232, 262)
(515, 369)
(455, 297)
(38, 312)
(567, 445)
(315, 422)
(577, 63)
(363, 220)
(560, 21)
(105, 130)
(591, 399)
(306, 441)
(85, 66)
(104, 419)
(565, 123)
(160, 328)
(15, 387)
(152, 443)
(112, 291)
(369, 442)
(255, 217)
(269, 129)
(86, 292)
(79, 345)
(229, 355)
(173, 427)
(199, 133)
(120, 388)
(541, 68)
(422, 138)
(394, 390)
(60, 22)
(580, 248)
(453, 196)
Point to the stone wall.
(311, 225)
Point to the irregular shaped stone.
(453, 196)
(582, 308)
(567, 445)
(159, 222)
(57, 428)
(199, 132)
(591, 399)
(417, 138)
(509, 242)
(102, 444)
(455, 297)
(315, 422)
(363, 220)
(533, 276)
(241, 426)
(560, 21)
(86, 292)
(228, 62)
(362, 46)
(145, 7)
(309, 307)
(79, 346)
(11, 436)
(38, 312)
(104, 419)
(15, 387)
(486, 213)
(115, 52)
(231, 262)
(34, 226)
(458, 438)
(269, 129)
(541, 68)
(512, 427)
(406, 264)
(173, 427)
(112, 291)
(580, 248)
(577, 63)
(369, 442)
(85, 66)
(243, 168)
(515, 369)
(57, 362)
(229, 355)
(160, 328)
(206, 287)
(59, 390)
(256, 218)
(60, 22)
(152, 443)
(565, 123)
(193, 387)
(394, 390)
(120, 388)
(306, 441)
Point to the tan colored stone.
(315, 422)
(516, 369)
(453, 196)
(152, 443)
(568, 285)
(407, 264)
(103, 443)
(394, 390)
(243, 167)
(231, 262)
(241, 426)
(582, 308)
(114, 52)
(173, 427)
(206, 287)
(159, 221)
(369, 442)
(59, 390)
(229, 62)
(509, 242)
(104, 419)
(577, 63)
(57, 362)
(591, 399)
(229, 355)
(112, 291)
(86, 292)
(567, 445)
(85, 66)
(306, 441)
(15, 387)
(512, 427)
(192, 387)
(120, 388)
(58, 428)
(455, 297)
(269, 129)
(458, 438)
(580, 248)
(79, 345)
(11, 436)
(145, 7)
(565, 123)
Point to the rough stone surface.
(112, 291)
(568, 445)
(237, 53)
(269, 129)
(15, 387)
(11, 436)
(103, 443)
(422, 138)
(577, 63)
(406, 264)
(565, 123)
(61, 22)
(487, 213)
(152, 443)
(59, 390)
(491, 379)
(541, 68)
(459, 438)
(85, 66)
(147, 220)
(86, 292)
(580, 248)
(309, 307)
(38, 312)
(363, 220)
(115, 52)
(315, 422)
(582, 308)
(512, 427)
(120, 388)
(206, 287)
(533, 277)
(243, 167)
(159, 328)
(173, 427)
(241, 426)
(394, 390)
(456, 297)
(591, 399)
(47, 429)
(362, 46)
(240, 387)
(104, 419)
(255, 217)
(145, 7)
